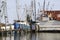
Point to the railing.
(49, 28)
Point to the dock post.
(10, 29)
(30, 27)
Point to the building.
(54, 13)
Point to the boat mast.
(0, 11)
(39, 9)
(4, 3)
(0, 14)
(44, 7)
(47, 6)
(34, 13)
(34, 10)
(25, 10)
(17, 8)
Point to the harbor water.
(31, 36)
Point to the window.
(58, 15)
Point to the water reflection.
(49, 36)
(16, 36)
(25, 36)
(31, 36)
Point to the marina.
(47, 19)
(29, 20)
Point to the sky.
(11, 7)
